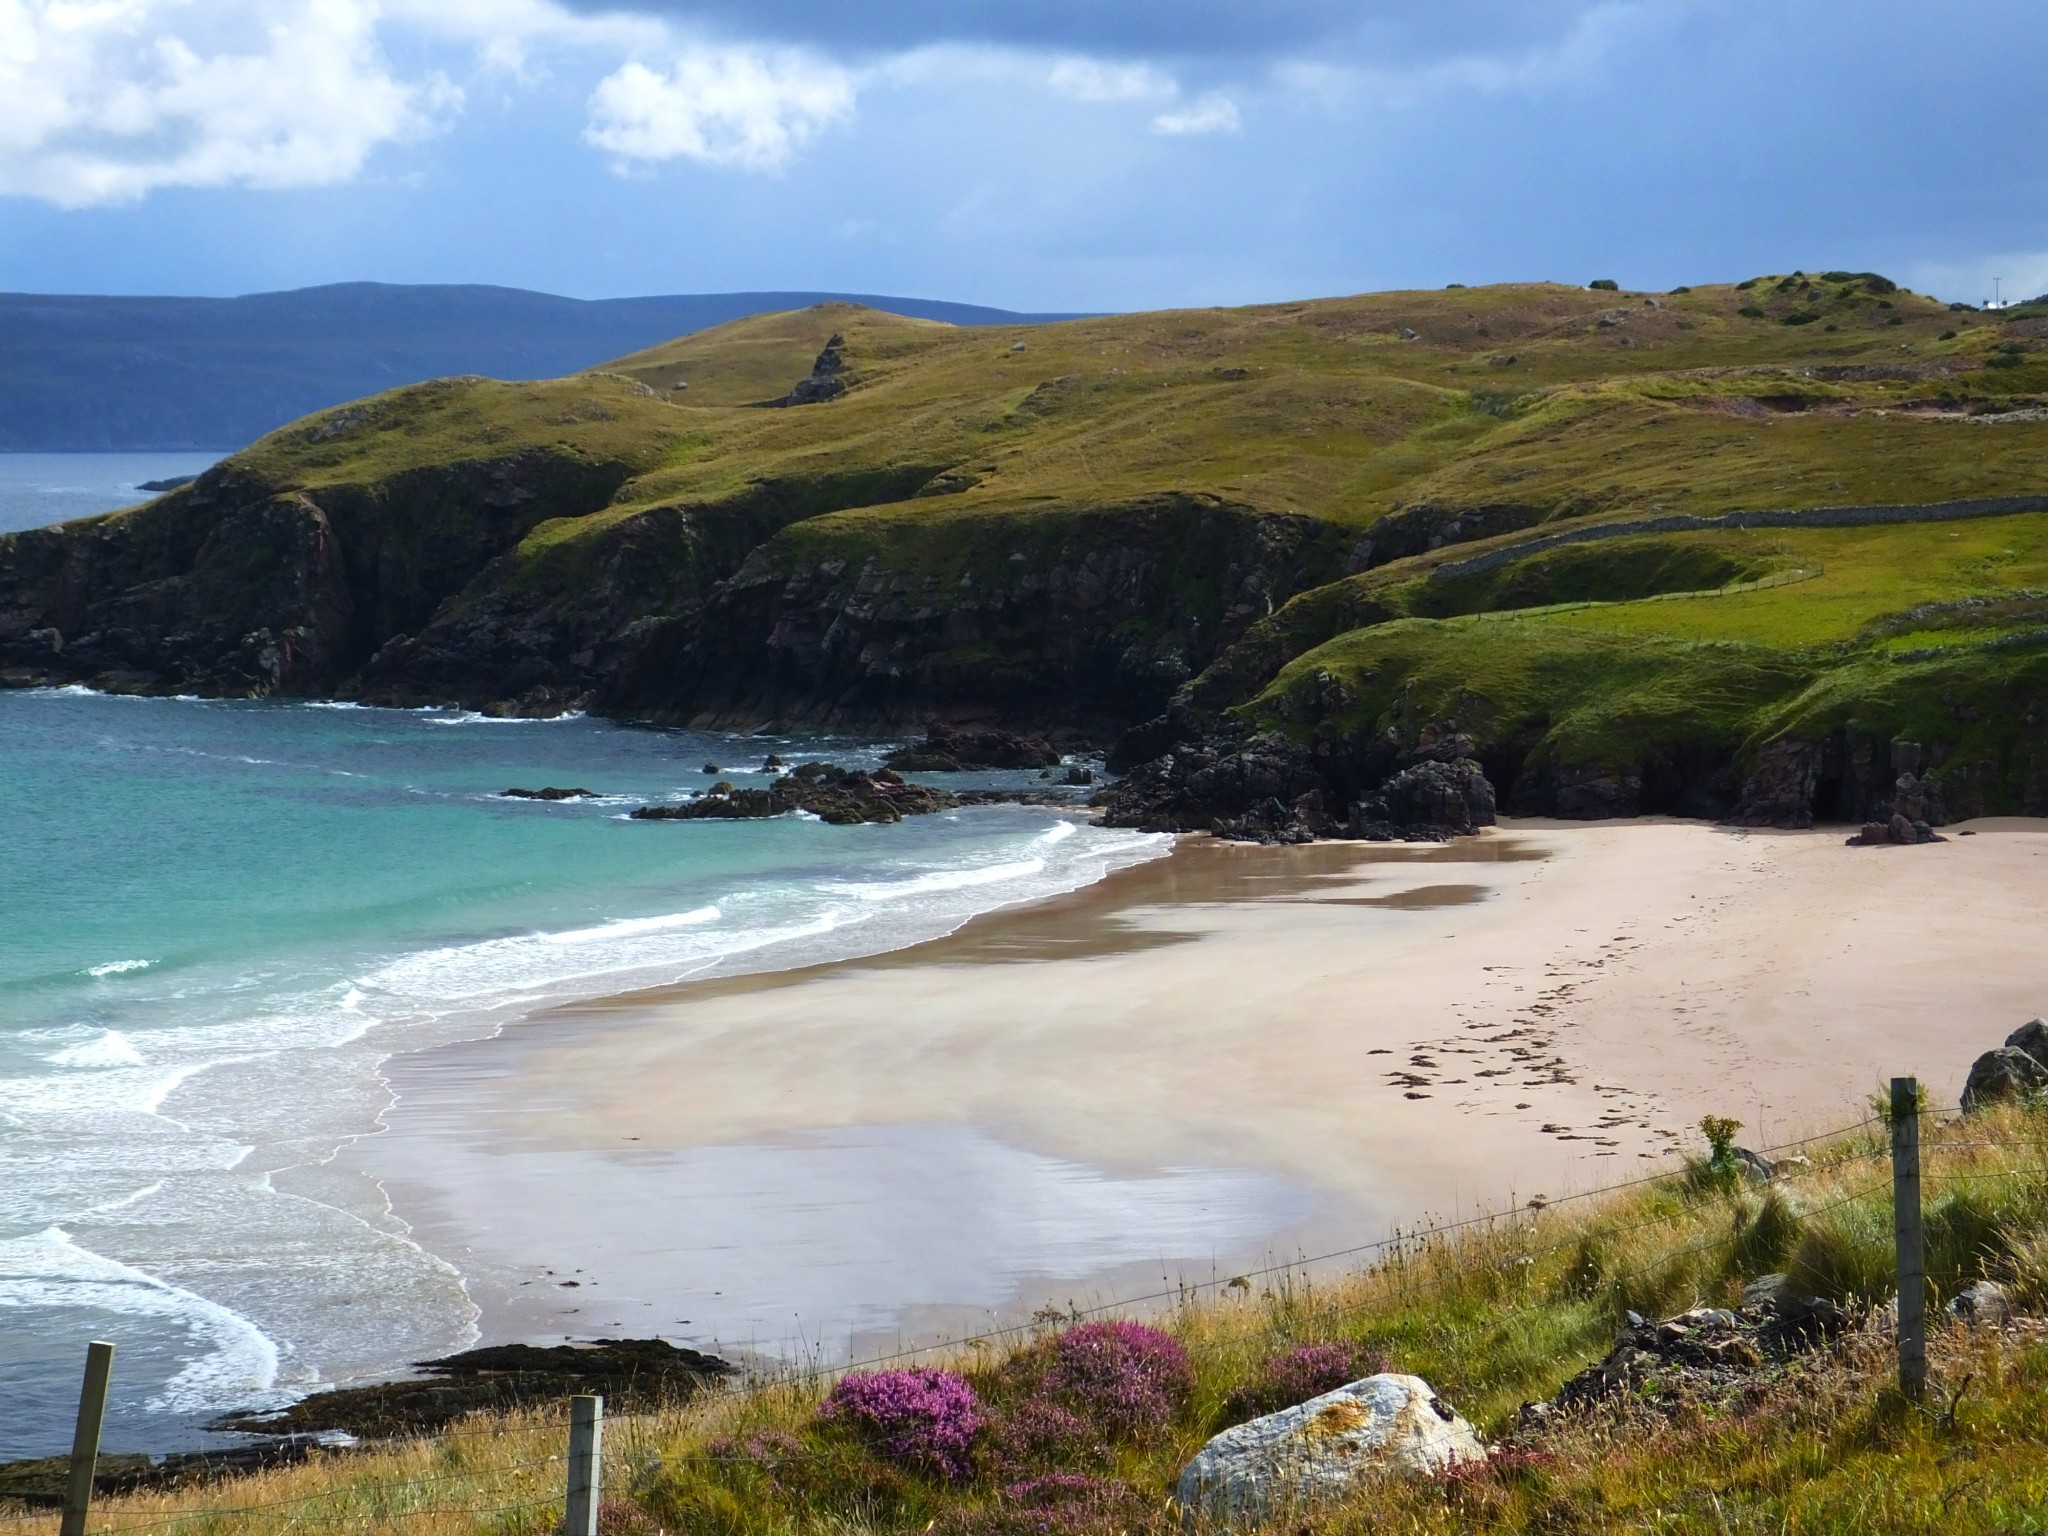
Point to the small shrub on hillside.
(1605, 285)
(1750, 312)
(622, 1517)
(1720, 1169)
(1845, 1255)
(1038, 1435)
(1062, 1504)
(1298, 1374)
(1126, 1380)
(1766, 1228)
(921, 1419)
(1589, 1266)
(1969, 1234)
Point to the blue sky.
(1040, 154)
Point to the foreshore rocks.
(950, 749)
(630, 1373)
(1269, 788)
(551, 792)
(839, 796)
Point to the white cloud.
(102, 101)
(735, 107)
(1085, 79)
(1209, 114)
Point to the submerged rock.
(840, 796)
(1289, 1462)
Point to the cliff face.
(229, 586)
(1626, 579)
(1085, 616)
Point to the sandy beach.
(1228, 1056)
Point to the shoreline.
(1226, 1055)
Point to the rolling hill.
(82, 373)
(1713, 551)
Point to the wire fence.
(498, 1492)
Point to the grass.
(1492, 1314)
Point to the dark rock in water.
(168, 483)
(2006, 1073)
(1078, 776)
(772, 763)
(947, 749)
(630, 1373)
(713, 768)
(840, 796)
(549, 793)
(825, 381)
(1428, 800)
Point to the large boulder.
(1309, 1455)
(2031, 1037)
(1427, 800)
(2006, 1073)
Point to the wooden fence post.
(85, 1439)
(586, 1452)
(1912, 1250)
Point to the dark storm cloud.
(1392, 30)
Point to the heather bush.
(1298, 1374)
(1037, 1434)
(1059, 1504)
(1124, 1378)
(918, 1418)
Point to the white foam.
(117, 968)
(1058, 832)
(475, 717)
(239, 1362)
(936, 880)
(111, 1049)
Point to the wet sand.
(1230, 1055)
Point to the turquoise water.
(221, 918)
(40, 488)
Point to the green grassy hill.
(1269, 514)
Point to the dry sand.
(1229, 1055)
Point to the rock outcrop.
(826, 380)
(1266, 787)
(1426, 802)
(951, 749)
(630, 1373)
(2017, 1069)
(1708, 1348)
(1289, 1463)
(839, 796)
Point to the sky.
(1034, 154)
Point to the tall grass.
(1493, 1315)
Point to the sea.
(220, 920)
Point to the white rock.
(1308, 1455)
